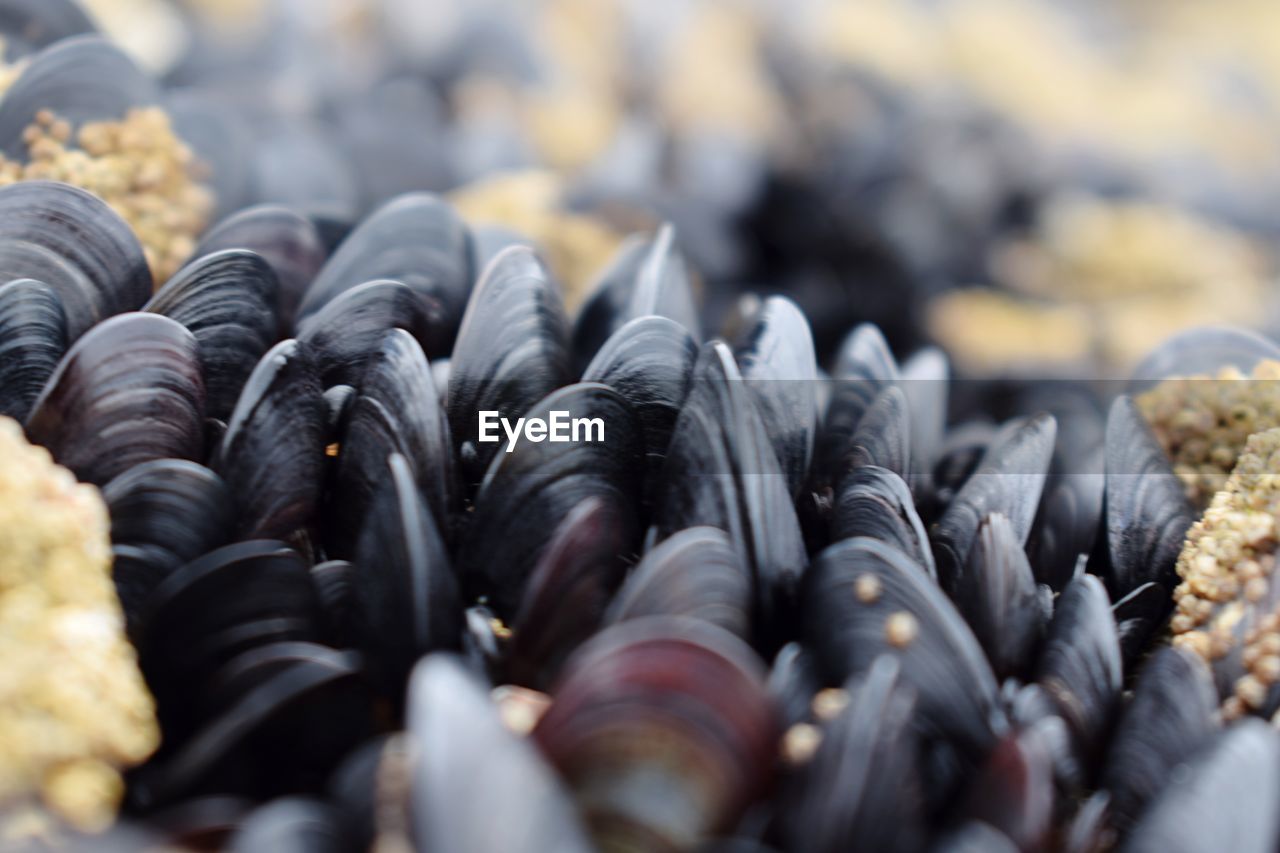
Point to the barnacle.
(1104, 249)
(1203, 422)
(1141, 269)
(987, 330)
(799, 743)
(900, 629)
(1100, 279)
(137, 165)
(73, 707)
(1226, 598)
(829, 702)
(867, 587)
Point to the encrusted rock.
(74, 709)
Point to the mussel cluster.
(771, 608)
(781, 602)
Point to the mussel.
(415, 547)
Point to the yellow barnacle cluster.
(988, 330)
(74, 709)
(1225, 598)
(138, 166)
(1103, 280)
(1107, 248)
(1142, 271)
(1203, 422)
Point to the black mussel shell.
(747, 843)
(1014, 790)
(73, 242)
(474, 784)
(1000, 600)
(33, 337)
(962, 450)
(175, 505)
(527, 493)
(512, 351)
(1146, 510)
(793, 681)
(875, 502)
(776, 357)
(201, 822)
(695, 573)
(649, 361)
(258, 664)
(226, 602)
(1223, 800)
(975, 837)
(338, 400)
(698, 486)
(293, 710)
(1068, 519)
(1009, 480)
(441, 369)
(416, 239)
(290, 825)
(925, 381)
(883, 437)
(136, 570)
(1173, 713)
(333, 225)
(364, 785)
(482, 647)
(226, 299)
(568, 590)
(32, 24)
(335, 582)
(868, 754)
(663, 285)
(683, 683)
(1089, 831)
(864, 598)
(214, 430)
(1080, 667)
(345, 334)
(605, 309)
(864, 366)
(272, 455)
(397, 410)
(1030, 706)
(284, 239)
(1139, 615)
(646, 277)
(405, 592)
(127, 392)
(85, 78)
(721, 471)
